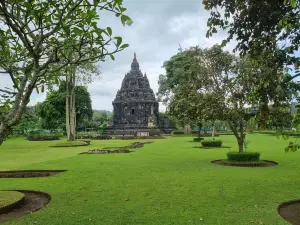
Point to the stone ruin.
(136, 110)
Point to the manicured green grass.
(166, 182)
(9, 197)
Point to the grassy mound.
(71, 144)
(9, 197)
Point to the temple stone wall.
(135, 105)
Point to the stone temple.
(135, 106)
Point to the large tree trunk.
(72, 118)
(67, 108)
(71, 106)
(241, 145)
(264, 113)
(3, 132)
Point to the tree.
(215, 81)
(247, 23)
(280, 116)
(29, 123)
(35, 46)
(53, 112)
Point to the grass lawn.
(166, 182)
(9, 197)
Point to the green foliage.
(211, 143)
(198, 139)
(175, 132)
(292, 147)
(262, 32)
(41, 138)
(243, 156)
(53, 109)
(296, 119)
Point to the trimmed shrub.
(42, 138)
(198, 139)
(212, 143)
(94, 137)
(178, 132)
(243, 156)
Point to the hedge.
(243, 156)
(41, 138)
(213, 143)
(198, 139)
(178, 132)
(94, 137)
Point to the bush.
(178, 132)
(198, 139)
(94, 137)
(213, 143)
(42, 138)
(194, 132)
(243, 156)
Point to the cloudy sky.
(159, 27)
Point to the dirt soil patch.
(132, 145)
(29, 173)
(106, 151)
(263, 163)
(110, 150)
(210, 147)
(290, 211)
(32, 202)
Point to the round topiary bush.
(212, 143)
(243, 156)
(198, 139)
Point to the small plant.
(213, 143)
(243, 156)
(198, 139)
(178, 132)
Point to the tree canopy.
(53, 111)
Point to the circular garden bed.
(29, 173)
(28, 202)
(260, 163)
(290, 211)
(244, 159)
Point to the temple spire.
(135, 64)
